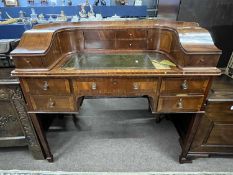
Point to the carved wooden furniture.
(214, 134)
(16, 128)
(215, 131)
(15, 125)
(59, 64)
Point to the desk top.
(116, 61)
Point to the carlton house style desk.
(59, 64)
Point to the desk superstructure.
(59, 64)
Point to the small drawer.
(131, 34)
(99, 35)
(115, 86)
(184, 85)
(52, 103)
(180, 103)
(138, 85)
(89, 86)
(225, 107)
(33, 62)
(46, 86)
(131, 44)
(98, 44)
(201, 60)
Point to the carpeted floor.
(118, 135)
(27, 172)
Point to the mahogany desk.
(59, 64)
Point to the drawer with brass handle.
(44, 86)
(184, 85)
(180, 103)
(89, 86)
(52, 103)
(115, 86)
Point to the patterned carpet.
(25, 172)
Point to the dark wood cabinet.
(214, 134)
(215, 131)
(16, 128)
(11, 132)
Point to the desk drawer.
(184, 85)
(115, 86)
(52, 103)
(33, 62)
(140, 85)
(131, 44)
(99, 44)
(89, 86)
(180, 103)
(131, 34)
(225, 107)
(47, 86)
(99, 35)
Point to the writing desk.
(59, 64)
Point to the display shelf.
(37, 3)
(13, 31)
(105, 11)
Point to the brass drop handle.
(51, 103)
(180, 104)
(93, 86)
(45, 86)
(114, 82)
(28, 61)
(135, 86)
(184, 85)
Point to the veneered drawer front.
(89, 86)
(201, 60)
(47, 86)
(180, 103)
(225, 107)
(52, 103)
(184, 85)
(131, 44)
(98, 44)
(115, 86)
(32, 62)
(131, 34)
(139, 85)
(99, 35)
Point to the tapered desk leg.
(187, 142)
(74, 116)
(42, 137)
